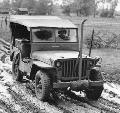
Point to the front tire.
(15, 69)
(94, 93)
(42, 86)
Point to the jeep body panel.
(54, 46)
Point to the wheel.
(42, 86)
(93, 93)
(15, 69)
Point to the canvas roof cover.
(42, 21)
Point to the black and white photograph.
(59, 56)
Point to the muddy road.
(18, 97)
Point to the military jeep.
(46, 50)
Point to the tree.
(6, 4)
(66, 6)
(39, 6)
(16, 4)
(83, 7)
(109, 12)
(44, 7)
(30, 4)
(67, 2)
(113, 6)
(66, 9)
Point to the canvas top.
(41, 21)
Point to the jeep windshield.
(54, 35)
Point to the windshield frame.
(55, 37)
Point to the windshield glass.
(54, 35)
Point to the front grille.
(68, 68)
(69, 71)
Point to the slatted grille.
(68, 69)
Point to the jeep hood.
(54, 55)
(50, 56)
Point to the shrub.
(107, 13)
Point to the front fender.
(46, 68)
(97, 68)
(42, 64)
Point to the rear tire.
(93, 93)
(15, 69)
(42, 86)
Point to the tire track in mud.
(19, 92)
(25, 98)
(76, 108)
(70, 105)
(65, 104)
(10, 106)
(100, 106)
(4, 107)
(105, 105)
(23, 103)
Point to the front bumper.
(78, 85)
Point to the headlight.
(90, 63)
(98, 64)
(58, 64)
(100, 61)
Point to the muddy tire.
(93, 93)
(18, 75)
(42, 86)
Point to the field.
(107, 26)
